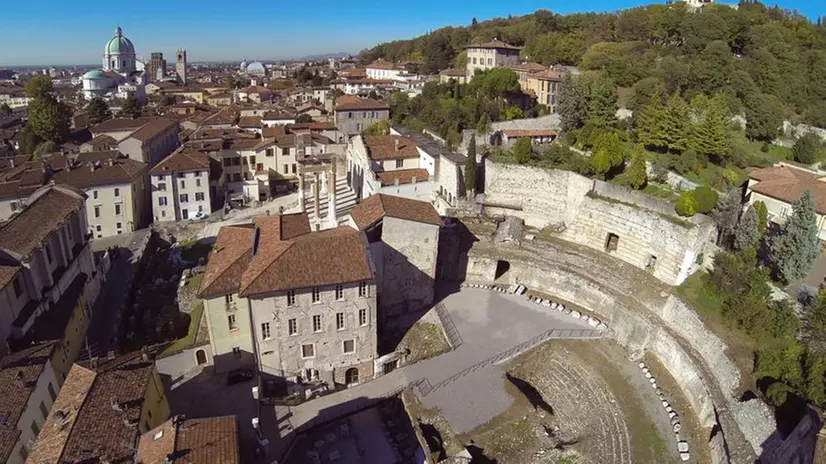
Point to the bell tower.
(180, 65)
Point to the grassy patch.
(194, 282)
(187, 341)
(662, 191)
(425, 340)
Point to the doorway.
(502, 268)
(351, 376)
(201, 357)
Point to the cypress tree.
(637, 176)
(470, 168)
(602, 106)
(795, 248)
(649, 123)
(675, 124)
(710, 136)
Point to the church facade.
(122, 74)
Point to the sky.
(60, 32)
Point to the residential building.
(453, 74)
(354, 114)
(276, 118)
(523, 70)
(482, 56)
(152, 142)
(254, 94)
(309, 298)
(99, 143)
(779, 186)
(404, 244)
(381, 69)
(391, 164)
(207, 440)
(48, 276)
(545, 86)
(119, 128)
(101, 411)
(181, 187)
(28, 388)
(219, 99)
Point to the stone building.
(180, 66)
(391, 164)
(404, 243)
(153, 142)
(301, 303)
(353, 114)
(482, 56)
(181, 187)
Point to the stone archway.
(200, 357)
(351, 376)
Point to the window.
(269, 152)
(317, 323)
(490, 62)
(198, 173)
(236, 352)
(286, 169)
(474, 60)
(95, 194)
(184, 198)
(183, 184)
(98, 228)
(308, 351)
(35, 428)
(285, 152)
(294, 168)
(252, 160)
(44, 410)
(197, 182)
(290, 297)
(118, 226)
(316, 295)
(181, 175)
(52, 393)
(17, 290)
(117, 210)
(363, 289)
(117, 192)
(265, 330)
(48, 253)
(162, 186)
(399, 163)
(231, 322)
(362, 317)
(339, 292)
(292, 327)
(161, 201)
(348, 346)
(259, 167)
(97, 211)
(339, 321)
(229, 299)
(199, 196)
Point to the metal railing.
(452, 333)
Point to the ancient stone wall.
(638, 229)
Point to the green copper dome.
(119, 45)
(94, 74)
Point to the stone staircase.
(345, 200)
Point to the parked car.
(239, 375)
(200, 216)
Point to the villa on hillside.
(779, 186)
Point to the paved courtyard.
(467, 382)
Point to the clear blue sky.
(59, 32)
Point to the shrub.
(705, 198)
(686, 205)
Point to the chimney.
(11, 162)
(92, 166)
(396, 144)
(110, 162)
(19, 380)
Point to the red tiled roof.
(787, 184)
(182, 161)
(372, 209)
(403, 176)
(498, 44)
(388, 147)
(354, 102)
(208, 440)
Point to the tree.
(573, 102)
(45, 148)
(98, 111)
(710, 136)
(438, 53)
(379, 128)
(675, 124)
(747, 233)
(131, 107)
(39, 87)
(796, 246)
(762, 216)
(470, 168)
(637, 177)
(806, 148)
(726, 214)
(602, 104)
(49, 118)
(28, 141)
(607, 152)
(706, 198)
(649, 123)
(512, 112)
(686, 205)
(522, 150)
(483, 126)
(764, 115)
(303, 118)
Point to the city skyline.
(266, 32)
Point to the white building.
(122, 74)
(181, 187)
(390, 164)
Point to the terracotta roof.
(27, 231)
(101, 140)
(354, 102)
(548, 74)
(182, 161)
(787, 184)
(313, 126)
(529, 133)
(456, 72)
(328, 257)
(276, 115)
(209, 440)
(249, 122)
(373, 208)
(403, 176)
(12, 161)
(19, 373)
(528, 67)
(111, 168)
(120, 125)
(273, 131)
(388, 147)
(229, 257)
(153, 128)
(495, 43)
(95, 429)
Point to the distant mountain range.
(324, 56)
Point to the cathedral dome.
(119, 45)
(94, 74)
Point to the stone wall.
(644, 317)
(649, 234)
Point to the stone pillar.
(331, 195)
(316, 195)
(301, 192)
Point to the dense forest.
(746, 51)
